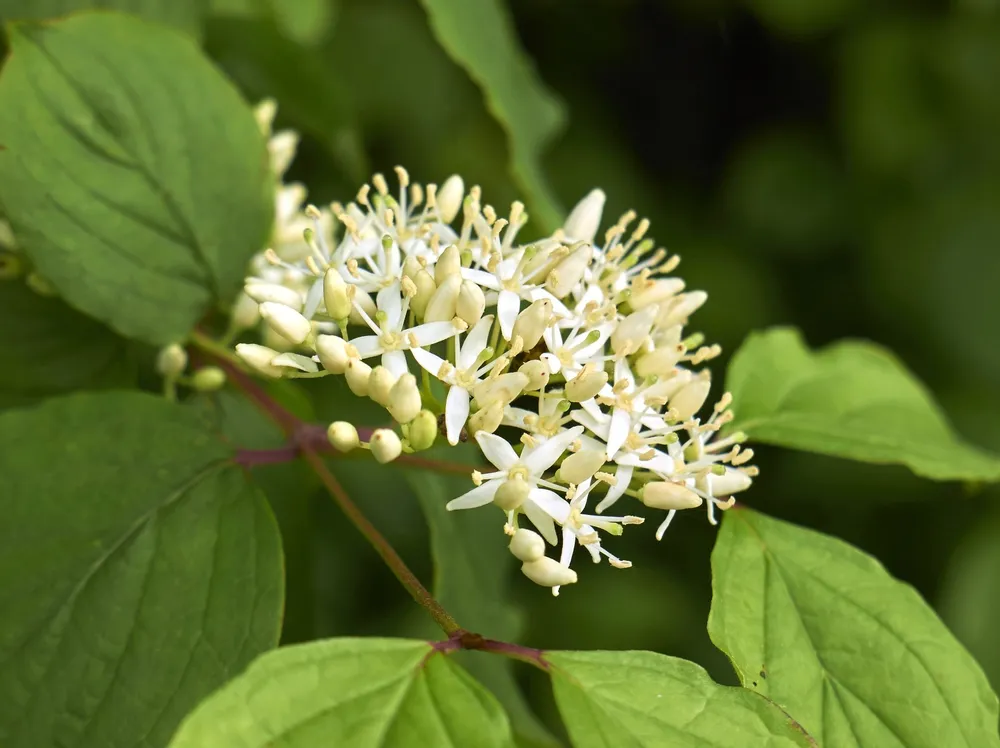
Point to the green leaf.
(357, 692)
(823, 630)
(479, 36)
(134, 176)
(472, 567)
(138, 571)
(183, 14)
(46, 348)
(646, 700)
(853, 399)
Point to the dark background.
(831, 164)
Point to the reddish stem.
(463, 639)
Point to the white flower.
(542, 505)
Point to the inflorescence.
(564, 358)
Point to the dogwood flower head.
(564, 359)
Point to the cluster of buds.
(565, 358)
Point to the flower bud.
(404, 399)
(486, 419)
(448, 264)
(343, 436)
(584, 220)
(425, 290)
(682, 307)
(449, 198)
(537, 372)
(258, 358)
(423, 431)
(548, 572)
(586, 384)
(656, 291)
(659, 362)
(385, 445)
(471, 303)
(531, 323)
(364, 300)
(568, 273)
(380, 384)
(442, 305)
(335, 296)
(527, 545)
(668, 495)
(501, 390)
(357, 373)
(246, 312)
(411, 266)
(581, 466)
(730, 482)
(511, 494)
(171, 361)
(208, 379)
(333, 353)
(691, 397)
(285, 321)
(634, 329)
(262, 292)
(669, 386)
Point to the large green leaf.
(138, 571)
(47, 348)
(479, 36)
(133, 174)
(357, 692)
(823, 630)
(648, 700)
(184, 14)
(853, 399)
(472, 567)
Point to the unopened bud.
(208, 379)
(264, 292)
(258, 358)
(385, 445)
(471, 303)
(512, 494)
(691, 397)
(449, 198)
(364, 300)
(404, 399)
(634, 329)
(548, 572)
(425, 290)
(531, 323)
(667, 495)
(335, 295)
(245, 313)
(486, 419)
(682, 307)
(586, 384)
(448, 264)
(501, 390)
(343, 436)
(585, 218)
(527, 545)
(380, 384)
(654, 292)
(333, 353)
(568, 273)
(659, 362)
(285, 321)
(537, 372)
(580, 466)
(423, 431)
(171, 361)
(357, 373)
(730, 482)
(443, 304)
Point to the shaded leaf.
(852, 399)
(183, 14)
(823, 630)
(134, 176)
(357, 692)
(479, 36)
(646, 700)
(138, 571)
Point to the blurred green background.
(833, 164)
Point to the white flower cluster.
(564, 358)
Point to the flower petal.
(621, 425)
(508, 305)
(432, 332)
(475, 343)
(430, 361)
(623, 477)
(478, 496)
(456, 413)
(395, 362)
(496, 450)
(568, 544)
(368, 346)
(551, 503)
(313, 298)
(587, 419)
(389, 301)
(481, 278)
(540, 458)
(542, 522)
